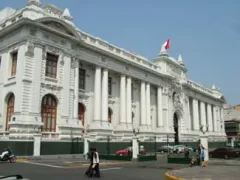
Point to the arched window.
(10, 109)
(49, 113)
(81, 113)
(110, 112)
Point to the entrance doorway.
(176, 128)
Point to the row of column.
(101, 99)
(125, 100)
(204, 115)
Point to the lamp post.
(204, 140)
(135, 145)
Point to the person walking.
(202, 156)
(91, 153)
(95, 165)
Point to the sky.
(206, 33)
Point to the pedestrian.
(202, 156)
(95, 164)
(186, 151)
(88, 172)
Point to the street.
(44, 170)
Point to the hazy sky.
(205, 32)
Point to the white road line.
(41, 164)
(108, 169)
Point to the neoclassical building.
(62, 82)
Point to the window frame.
(51, 69)
(82, 79)
(14, 60)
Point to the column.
(189, 104)
(148, 104)
(159, 107)
(97, 94)
(129, 100)
(143, 104)
(123, 99)
(203, 115)
(209, 114)
(195, 115)
(214, 119)
(222, 121)
(76, 90)
(105, 95)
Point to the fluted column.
(203, 114)
(214, 119)
(143, 104)
(123, 99)
(97, 94)
(222, 121)
(129, 100)
(195, 115)
(148, 104)
(209, 114)
(105, 95)
(76, 90)
(159, 107)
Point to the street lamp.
(203, 130)
(136, 131)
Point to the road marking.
(41, 164)
(108, 169)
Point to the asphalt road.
(40, 172)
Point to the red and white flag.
(167, 44)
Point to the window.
(110, 86)
(110, 113)
(81, 113)
(51, 65)
(0, 61)
(82, 78)
(10, 109)
(14, 63)
(49, 113)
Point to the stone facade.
(100, 89)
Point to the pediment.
(58, 26)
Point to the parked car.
(180, 148)
(225, 153)
(128, 152)
(165, 148)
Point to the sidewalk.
(205, 173)
(53, 157)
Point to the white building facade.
(59, 80)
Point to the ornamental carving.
(51, 87)
(30, 49)
(73, 63)
(62, 59)
(177, 100)
(59, 27)
(53, 50)
(44, 51)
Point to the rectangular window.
(0, 61)
(14, 63)
(109, 86)
(82, 78)
(51, 65)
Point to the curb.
(21, 160)
(171, 177)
